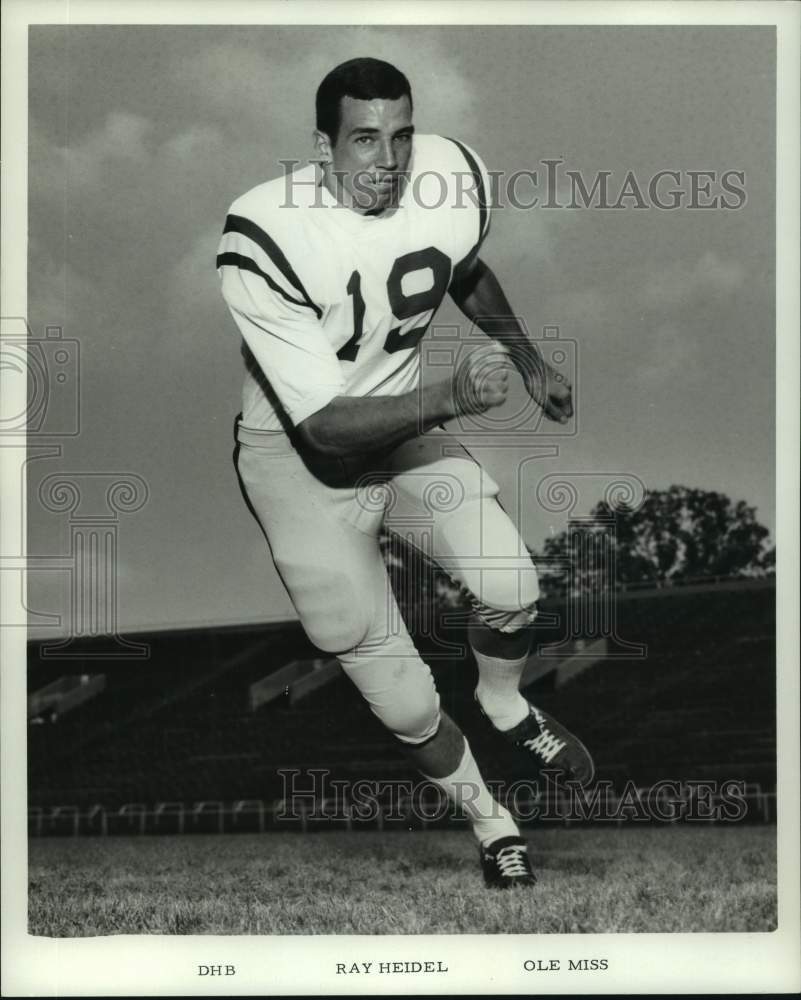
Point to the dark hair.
(363, 79)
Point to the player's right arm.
(353, 424)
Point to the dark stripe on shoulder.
(481, 192)
(239, 224)
(246, 264)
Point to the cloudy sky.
(140, 138)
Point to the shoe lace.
(544, 743)
(510, 861)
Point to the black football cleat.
(550, 745)
(505, 864)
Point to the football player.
(332, 274)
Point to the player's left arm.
(478, 293)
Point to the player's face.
(371, 154)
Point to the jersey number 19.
(403, 306)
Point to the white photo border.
(297, 965)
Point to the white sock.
(498, 689)
(488, 818)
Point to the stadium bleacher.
(179, 727)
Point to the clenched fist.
(482, 380)
(551, 390)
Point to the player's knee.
(414, 727)
(507, 599)
(338, 635)
(504, 589)
(412, 712)
(506, 621)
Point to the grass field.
(590, 880)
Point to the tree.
(676, 534)
(423, 591)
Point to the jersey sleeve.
(478, 192)
(280, 325)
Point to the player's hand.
(482, 380)
(552, 391)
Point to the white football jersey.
(334, 303)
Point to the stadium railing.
(262, 816)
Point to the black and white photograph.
(400, 498)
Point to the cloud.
(112, 212)
(263, 83)
(186, 147)
(684, 283)
(673, 355)
(122, 138)
(584, 307)
(120, 142)
(194, 294)
(119, 160)
(56, 288)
